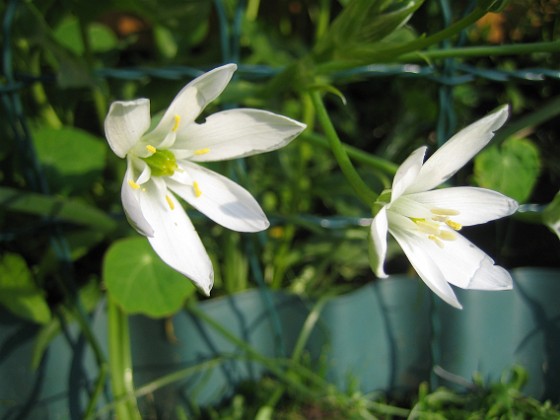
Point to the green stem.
(252, 10)
(323, 18)
(544, 113)
(352, 176)
(121, 364)
(272, 365)
(98, 98)
(365, 158)
(481, 51)
(99, 358)
(393, 53)
(436, 38)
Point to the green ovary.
(162, 163)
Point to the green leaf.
(551, 215)
(140, 282)
(364, 22)
(72, 159)
(511, 169)
(19, 293)
(55, 208)
(67, 33)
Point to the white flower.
(162, 164)
(425, 222)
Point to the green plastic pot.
(59, 387)
(385, 336)
(499, 329)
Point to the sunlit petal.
(417, 249)
(378, 242)
(125, 124)
(130, 196)
(466, 266)
(473, 205)
(220, 199)
(457, 151)
(174, 239)
(191, 101)
(407, 172)
(237, 133)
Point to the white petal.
(378, 242)
(125, 124)
(175, 240)
(131, 204)
(475, 205)
(238, 133)
(458, 150)
(467, 266)
(407, 172)
(190, 101)
(418, 251)
(222, 200)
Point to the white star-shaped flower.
(425, 221)
(162, 164)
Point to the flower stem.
(436, 38)
(97, 96)
(120, 362)
(481, 51)
(352, 176)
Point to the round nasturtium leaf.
(512, 168)
(140, 282)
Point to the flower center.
(161, 162)
(435, 227)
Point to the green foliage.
(512, 168)
(18, 291)
(67, 34)
(55, 208)
(140, 282)
(500, 400)
(72, 158)
(356, 32)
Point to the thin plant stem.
(252, 10)
(546, 112)
(411, 48)
(271, 365)
(481, 51)
(121, 364)
(375, 162)
(352, 176)
(98, 98)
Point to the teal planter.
(496, 330)
(58, 388)
(385, 336)
(378, 336)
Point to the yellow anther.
(427, 226)
(201, 151)
(151, 149)
(453, 225)
(196, 189)
(176, 124)
(133, 184)
(444, 212)
(447, 235)
(170, 202)
(436, 240)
